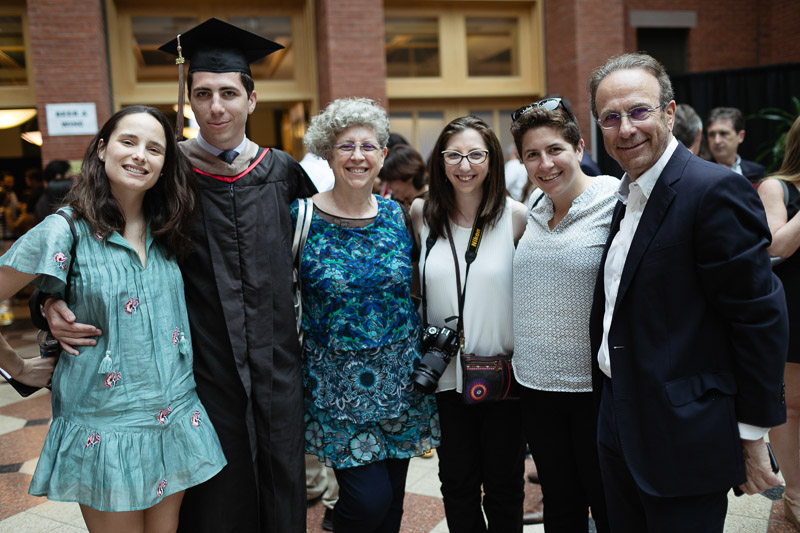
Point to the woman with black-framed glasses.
(555, 268)
(481, 455)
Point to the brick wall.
(69, 58)
(779, 38)
(580, 36)
(350, 50)
(732, 33)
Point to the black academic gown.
(246, 355)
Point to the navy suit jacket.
(699, 335)
(753, 171)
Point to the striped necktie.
(228, 156)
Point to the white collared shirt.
(737, 165)
(213, 150)
(634, 194)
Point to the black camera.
(439, 345)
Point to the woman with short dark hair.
(555, 269)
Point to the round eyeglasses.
(609, 121)
(475, 157)
(349, 148)
(550, 104)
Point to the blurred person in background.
(516, 175)
(57, 183)
(725, 133)
(781, 199)
(688, 128)
(404, 175)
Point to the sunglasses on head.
(550, 104)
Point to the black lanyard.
(469, 256)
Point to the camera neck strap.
(469, 256)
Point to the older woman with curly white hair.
(361, 329)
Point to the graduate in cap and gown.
(238, 291)
(238, 284)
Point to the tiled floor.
(23, 425)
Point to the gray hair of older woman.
(340, 115)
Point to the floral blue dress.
(128, 428)
(362, 341)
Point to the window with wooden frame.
(150, 32)
(439, 49)
(13, 69)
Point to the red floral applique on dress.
(93, 439)
(160, 488)
(162, 415)
(131, 305)
(176, 335)
(61, 260)
(98, 235)
(196, 418)
(112, 378)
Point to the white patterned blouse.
(554, 277)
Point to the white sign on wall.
(71, 119)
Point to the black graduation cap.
(217, 46)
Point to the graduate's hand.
(64, 328)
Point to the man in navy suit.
(689, 327)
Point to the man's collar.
(737, 165)
(649, 177)
(213, 150)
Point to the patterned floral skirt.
(345, 444)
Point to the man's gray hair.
(687, 124)
(631, 62)
(340, 115)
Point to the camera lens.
(439, 346)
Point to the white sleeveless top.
(488, 320)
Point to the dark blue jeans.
(371, 497)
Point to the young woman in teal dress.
(362, 333)
(129, 433)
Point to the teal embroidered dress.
(128, 428)
(362, 340)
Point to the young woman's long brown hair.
(168, 205)
(440, 206)
(790, 169)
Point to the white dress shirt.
(634, 194)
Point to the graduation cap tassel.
(179, 61)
